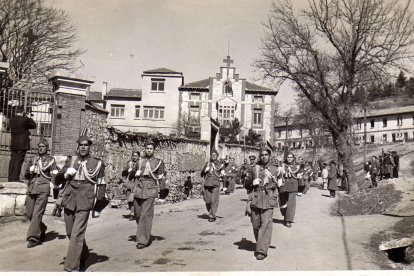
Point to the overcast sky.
(125, 37)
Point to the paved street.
(183, 240)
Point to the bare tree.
(311, 121)
(35, 39)
(330, 49)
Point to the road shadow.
(206, 216)
(203, 216)
(133, 238)
(326, 195)
(244, 199)
(245, 244)
(94, 258)
(52, 235)
(279, 221)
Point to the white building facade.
(227, 97)
(152, 109)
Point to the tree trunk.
(344, 150)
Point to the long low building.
(386, 125)
(383, 126)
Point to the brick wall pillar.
(69, 115)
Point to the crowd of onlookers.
(385, 166)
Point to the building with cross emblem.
(227, 97)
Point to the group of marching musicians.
(82, 188)
(82, 191)
(266, 184)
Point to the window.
(372, 123)
(195, 96)
(399, 121)
(226, 115)
(289, 132)
(117, 110)
(154, 112)
(279, 133)
(359, 125)
(257, 117)
(372, 138)
(157, 85)
(195, 113)
(384, 137)
(384, 122)
(258, 99)
(137, 109)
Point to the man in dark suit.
(20, 142)
(374, 169)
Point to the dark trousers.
(374, 179)
(232, 184)
(35, 209)
(262, 222)
(395, 172)
(211, 198)
(144, 214)
(290, 210)
(15, 164)
(307, 185)
(76, 222)
(187, 192)
(332, 193)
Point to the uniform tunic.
(148, 183)
(230, 177)
(212, 186)
(78, 200)
(38, 191)
(263, 199)
(288, 191)
(129, 173)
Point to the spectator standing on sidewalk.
(374, 170)
(20, 142)
(188, 187)
(332, 179)
(325, 175)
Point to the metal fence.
(37, 102)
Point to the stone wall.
(12, 198)
(182, 158)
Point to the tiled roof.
(201, 84)
(252, 87)
(162, 71)
(383, 112)
(124, 93)
(95, 96)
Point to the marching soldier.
(212, 171)
(150, 180)
(39, 172)
(85, 180)
(248, 185)
(288, 191)
(129, 173)
(262, 200)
